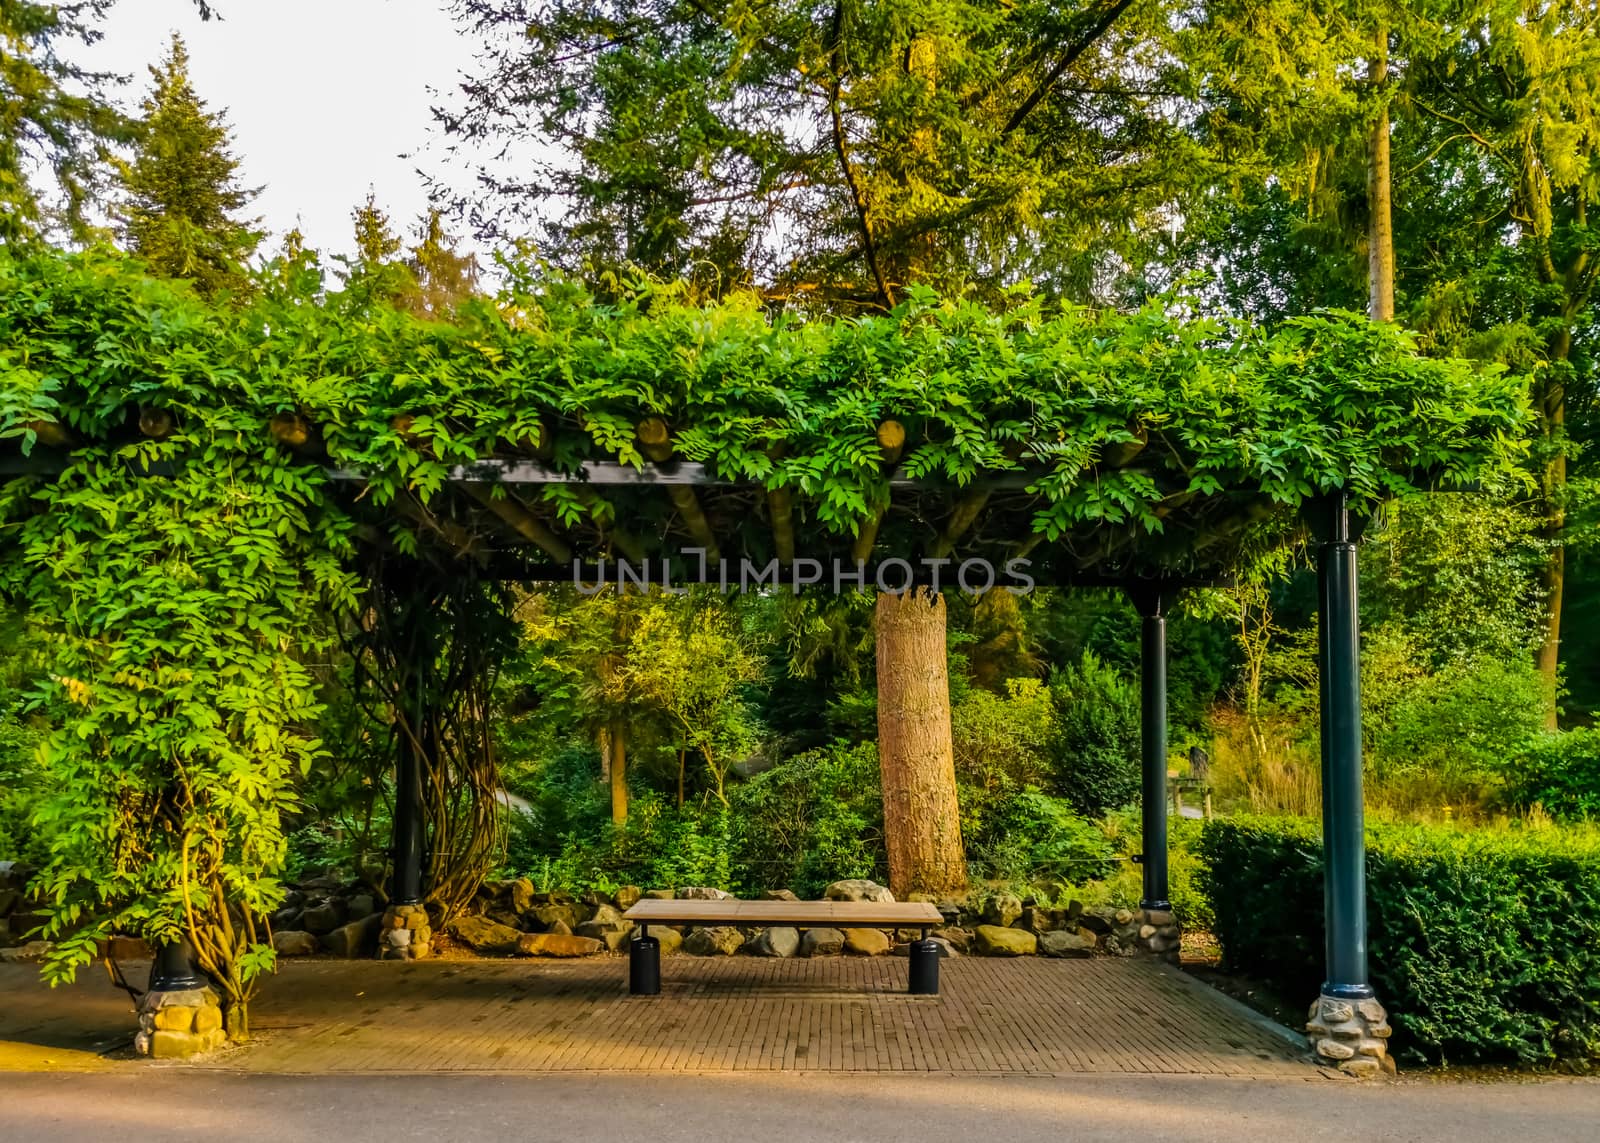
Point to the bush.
(1484, 944)
(1032, 838)
(1189, 901)
(812, 820)
(1095, 750)
(1560, 772)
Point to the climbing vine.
(168, 518)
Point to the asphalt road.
(178, 1104)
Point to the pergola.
(1147, 454)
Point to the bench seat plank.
(800, 914)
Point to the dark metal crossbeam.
(670, 472)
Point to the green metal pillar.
(1153, 602)
(1337, 530)
(405, 886)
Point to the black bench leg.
(924, 967)
(644, 966)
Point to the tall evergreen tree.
(53, 118)
(375, 271)
(445, 277)
(182, 214)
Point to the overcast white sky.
(324, 97)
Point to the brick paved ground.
(996, 1017)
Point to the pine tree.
(375, 242)
(374, 273)
(444, 276)
(183, 195)
(53, 119)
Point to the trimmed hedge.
(1484, 943)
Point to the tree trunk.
(1380, 222)
(681, 752)
(921, 815)
(1552, 488)
(619, 774)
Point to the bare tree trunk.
(1380, 223)
(681, 752)
(921, 814)
(619, 774)
(1553, 484)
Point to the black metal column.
(173, 970)
(406, 883)
(1337, 531)
(1152, 602)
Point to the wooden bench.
(644, 952)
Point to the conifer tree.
(374, 272)
(54, 123)
(445, 277)
(182, 214)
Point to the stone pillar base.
(176, 1025)
(405, 933)
(1158, 933)
(1351, 1035)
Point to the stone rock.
(903, 948)
(551, 915)
(33, 950)
(521, 895)
(359, 906)
(398, 938)
(821, 942)
(779, 895)
(1159, 918)
(174, 1045)
(1147, 931)
(1123, 916)
(294, 942)
(956, 937)
(866, 942)
(288, 917)
(703, 893)
(627, 897)
(557, 945)
(606, 919)
(671, 939)
(207, 1019)
(1064, 943)
(857, 889)
(1039, 921)
(358, 938)
(718, 940)
(176, 1019)
(996, 940)
(324, 916)
(560, 927)
(8, 900)
(660, 894)
(484, 936)
(617, 940)
(775, 942)
(15, 875)
(1003, 911)
(1095, 923)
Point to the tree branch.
(868, 244)
(1098, 23)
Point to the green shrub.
(811, 820)
(1484, 944)
(1560, 772)
(1189, 901)
(1032, 838)
(1095, 750)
